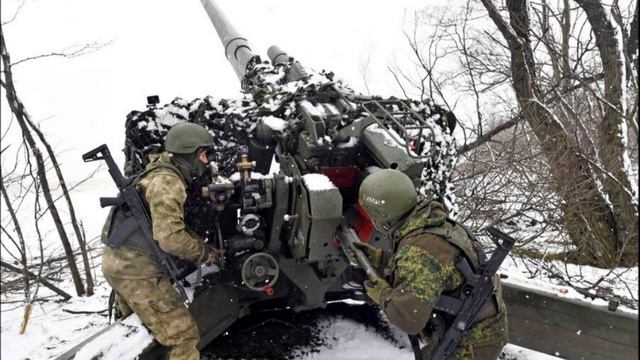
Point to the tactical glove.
(375, 254)
(213, 256)
(375, 290)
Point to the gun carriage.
(284, 232)
(281, 199)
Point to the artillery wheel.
(259, 270)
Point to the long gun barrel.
(236, 47)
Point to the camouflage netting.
(229, 121)
(271, 104)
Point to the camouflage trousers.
(160, 308)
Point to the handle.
(98, 153)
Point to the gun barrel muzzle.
(236, 47)
(277, 56)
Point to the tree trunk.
(613, 136)
(632, 47)
(21, 115)
(587, 216)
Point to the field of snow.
(52, 331)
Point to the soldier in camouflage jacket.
(422, 268)
(139, 280)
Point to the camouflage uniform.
(422, 268)
(141, 284)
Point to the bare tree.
(557, 152)
(24, 122)
(590, 169)
(20, 244)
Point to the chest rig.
(121, 228)
(431, 218)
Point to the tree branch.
(487, 136)
(32, 276)
(70, 52)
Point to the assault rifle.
(129, 195)
(475, 292)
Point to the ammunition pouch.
(122, 229)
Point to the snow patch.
(316, 110)
(122, 341)
(352, 142)
(348, 339)
(274, 123)
(235, 177)
(318, 182)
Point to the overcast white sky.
(170, 48)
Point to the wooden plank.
(568, 327)
(71, 353)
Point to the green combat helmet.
(186, 138)
(386, 195)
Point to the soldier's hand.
(375, 254)
(375, 290)
(214, 255)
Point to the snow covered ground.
(52, 329)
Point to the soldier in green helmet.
(422, 267)
(139, 280)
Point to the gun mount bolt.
(259, 270)
(288, 217)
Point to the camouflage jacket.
(423, 267)
(165, 193)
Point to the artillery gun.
(288, 234)
(283, 232)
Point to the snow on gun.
(278, 230)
